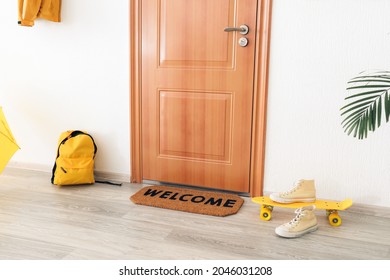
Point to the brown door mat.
(189, 200)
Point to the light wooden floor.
(42, 221)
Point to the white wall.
(74, 75)
(316, 47)
(69, 75)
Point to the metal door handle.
(243, 29)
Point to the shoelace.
(296, 185)
(298, 217)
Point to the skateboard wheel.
(334, 219)
(265, 214)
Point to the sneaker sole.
(295, 234)
(291, 200)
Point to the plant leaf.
(369, 118)
(360, 100)
(370, 96)
(365, 125)
(352, 127)
(373, 116)
(370, 80)
(353, 115)
(365, 93)
(359, 106)
(356, 128)
(387, 106)
(352, 120)
(361, 126)
(369, 86)
(385, 75)
(379, 110)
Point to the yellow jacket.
(29, 10)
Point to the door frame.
(259, 120)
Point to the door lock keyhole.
(243, 41)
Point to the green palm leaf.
(368, 98)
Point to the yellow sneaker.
(304, 222)
(303, 191)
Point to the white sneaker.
(303, 223)
(303, 191)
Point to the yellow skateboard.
(331, 207)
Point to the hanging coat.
(29, 10)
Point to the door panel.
(190, 33)
(197, 92)
(195, 126)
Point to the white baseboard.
(111, 176)
(30, 166)
(99, 175)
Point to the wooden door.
(197, 92)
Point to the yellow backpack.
(74, 164)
